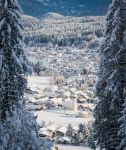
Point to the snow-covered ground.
(56, 116)
(36, 82)
(69, 147)
(60, 117)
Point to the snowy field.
(36, 82)
(69, 147)
(56, 116)
(60, 117)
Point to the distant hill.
(58, 30)
(38, 8)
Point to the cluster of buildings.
(71, 71)
(73, 74)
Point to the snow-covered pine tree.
(18, 129)
(75, 138)
(69, 130)
(122, 131)
(13, 63)
(112, 78)
(122, 120)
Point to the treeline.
(62, 31)
(110, 113)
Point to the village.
(62, 75)
(61, 94)
(61, 88)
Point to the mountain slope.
(65, 7)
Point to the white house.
(68, 104)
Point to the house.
(52, 127)
(68, 104)
(82, 100)
(61, 131)
(67, 94)
(44, 132)
(64, 140)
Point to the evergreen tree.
(13, 60)
(75, 138)
(38, 67)
(122, 131)
(19, 132)
(18, 129)
(69, 130)
(122, 120)
(112, 78)
(91, 142)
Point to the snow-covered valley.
(62, 75)
(61, 91)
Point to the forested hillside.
(59, 30)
